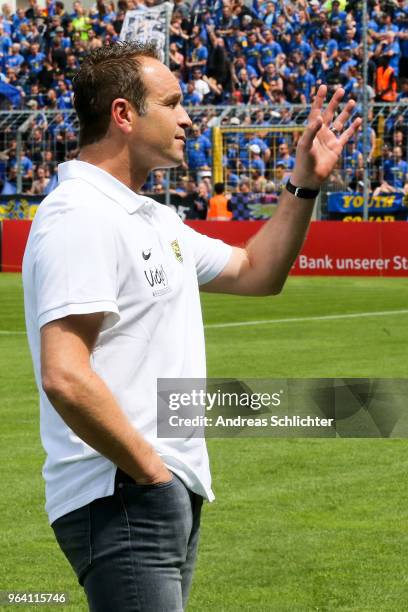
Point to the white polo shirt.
(96, 246)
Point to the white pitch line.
(355, 315)
(352, 315)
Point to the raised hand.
(323, 140)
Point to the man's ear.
(122, 115)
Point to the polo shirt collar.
(104, 182)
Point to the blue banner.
(354, 203)
(12, 93)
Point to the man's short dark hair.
(105, 74)
(219, 188)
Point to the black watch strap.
(301, 192)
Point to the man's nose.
(184, 120)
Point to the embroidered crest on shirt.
(177, 251)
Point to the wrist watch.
(302, 192)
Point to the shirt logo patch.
(157, 279)
(177, 251)
(146, 254)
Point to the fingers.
(332, 106)
(344, 116)
(354, 127)
(318, 103)
(317, 118)
(311, 131)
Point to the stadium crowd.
(273, 53)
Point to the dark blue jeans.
(134, 551)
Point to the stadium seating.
(261, 61)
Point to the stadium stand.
(241, 65)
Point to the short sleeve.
(210, 255)
(75, 268)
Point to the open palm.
(320, 147)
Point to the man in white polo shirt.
(111, 282)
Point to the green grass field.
(297, 524)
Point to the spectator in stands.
(158, 182)
(402, 36)
(14, 59)
(58, 124)
(327, 43)
(252, 52)
(358, 91)
(216, 93)
(65, 41)
(201, 86)
(191, 97)
(399, 139)
(41, 181)
(71, 68)
(219, 65)
(10, 184)
(5, 42)
(34, 96)
(386, 83)
(71, 144)
(79, 49)
(218, 205)
(231, 179)
(182, 8)
(51, 100)
(198, 56)
(336, 181)
(198, 150)
(176, 58)
(258, 181)
(390, 47)
(58, 55)
(242, 155)
(403, 95)
(26, 166)
(255, 161)
(269, 195)
(36, 146)
(395, 172)
(334, 76)
(65, 97)
(204, 177)
(371, 141)
(35, 58)
(269, 52)
(292, 93)
(225, 22)
(353, 160)
(284, 157)
(81, 22)
(244, 90)
(268, 84)
(306, 82)
(45, 77)
(298, 43)
(280, 176)
(268, 14)
(177, 33)
(199, 203)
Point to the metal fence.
(245, 145)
